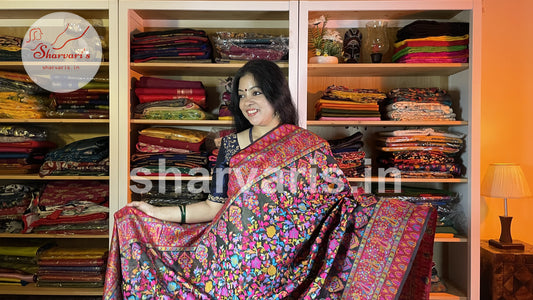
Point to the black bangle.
(183, 213)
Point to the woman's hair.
(271, 80)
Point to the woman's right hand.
(144, 207)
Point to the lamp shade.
(505, 180)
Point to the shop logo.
(61, 52)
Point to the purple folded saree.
(270, 242)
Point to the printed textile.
(294, 241)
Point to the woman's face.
(254, 105)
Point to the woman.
(281, 221)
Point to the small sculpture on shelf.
(352, 45)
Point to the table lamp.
(505, 180)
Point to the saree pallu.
(294, 241)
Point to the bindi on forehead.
(249, 89)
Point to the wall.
(507, 107)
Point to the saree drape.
(291, 229)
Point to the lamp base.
(506, 246)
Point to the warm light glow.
(505, 180)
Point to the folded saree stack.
(72, 267)
(450, 219)
(21, 98)
(349, 154)
(418, 104)
(169, 99)
(10, 48)
(70, 207)
(432, 42)
(83, 157)
(89, 102)
(18, 262)
(23, 148)
(169, 151)
(15, 198)
(421, 153)
(179, 45)
(244, 46)
(345, 104)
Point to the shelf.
(53, 236)
(31, 289)
(457, 239)
(18, 66)
(276, 14)
(407, 180)
(386, 123)
(452, 294)
(56, 121)
(190, 69)
(384, 69)
(183, 122)
(37, 177)
(32, 9)
(186, 178)
(386, 14)
(372, 179)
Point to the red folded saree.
(294, 241)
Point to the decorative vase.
(376, 57)
(324, 60)
(377, 41)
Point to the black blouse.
(219, 182)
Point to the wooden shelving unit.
(15, 19)
(457, 258)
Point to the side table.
(506, 274)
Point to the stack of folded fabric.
(89, 102)
(72, 207)
(244, 46)
(450, 219)
(22, 148)
(10, 48)
(163, 151)
(176, 44)
(421, 153)
(89, 157)
(170, 99)
(72, 267)
(15, 199)
(349, 154)
(432, 42)
(345, 104)
(21, 98)
(418, 104)
(18, 262)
